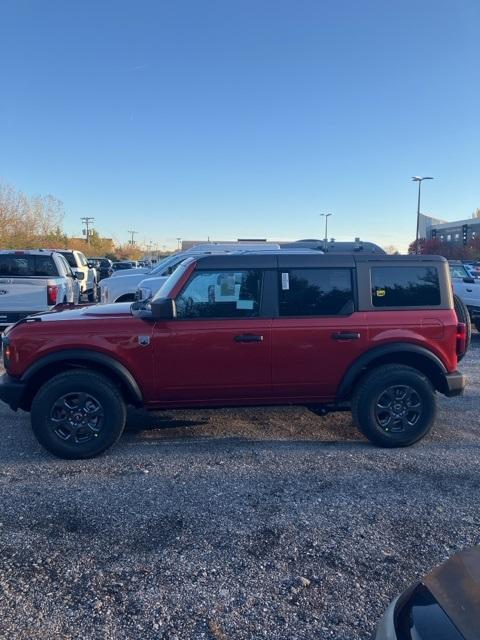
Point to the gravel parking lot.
(237, 524)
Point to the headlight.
(143, 293)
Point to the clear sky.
(234, 118)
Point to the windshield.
(169, 284)
(171, 261)
(458, 271)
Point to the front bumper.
(455, 383)
(11, 391)
(386, 626)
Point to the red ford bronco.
(378, 334)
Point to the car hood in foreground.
(86, 312)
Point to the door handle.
(469, 290)
(248, 337)
(346, 335)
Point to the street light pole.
(419, 179)
(326, 215)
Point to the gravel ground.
(237, 524)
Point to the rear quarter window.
(398, 286)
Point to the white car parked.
(123, 286)
(78, 263)
(467, 289)
(34, 281)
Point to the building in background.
(460, 232)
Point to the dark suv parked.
(378, 334)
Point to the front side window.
(221, 294)
(405, 287)
(315, 292)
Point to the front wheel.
(93, 294)
(394, 406)
(78, 414)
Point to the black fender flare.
(86, 356)
(377, 353)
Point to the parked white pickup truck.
(34, 281)
(78, 263)
(467, 289)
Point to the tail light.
(52, 294)
(461, 338)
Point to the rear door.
(318, 332)
(217, 350)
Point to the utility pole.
(419, 179)
(178, 243)
(132, 238)
(87, 221)
(326, 215)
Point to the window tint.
(12, 264)
(65, 265)
(405, 287)
(70, 258)
(221, 294)
(316, 292)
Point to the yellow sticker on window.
(380, 293)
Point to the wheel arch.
(407, 354)
(69, 359)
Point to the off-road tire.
(369, 393)
(463, 316)
(67, 384)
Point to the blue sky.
(236, 118)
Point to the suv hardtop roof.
(31, 252)
(279, 259)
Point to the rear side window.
(12, 264)
(221, 294)
(70, 258)
(316, 292)
(405, 287)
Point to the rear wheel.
(78, 414)
(394, 405)
(463, 316)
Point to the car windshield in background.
(458, 271)
(172, 280)
(12, 264)
(69, 257)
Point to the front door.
(217, 350)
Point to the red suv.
(376, 333)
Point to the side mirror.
(79, 275)
(469, 280)
(163, 309)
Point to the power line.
(132, 239)
(87, 221)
